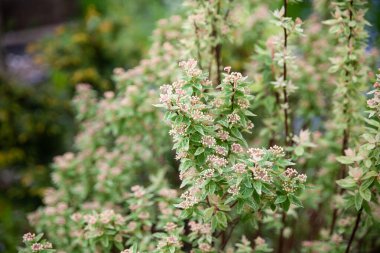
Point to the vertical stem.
(218, 55)
(333, 221)
(282, 238)
(346, 131)
(284, 90)
(232, 99)
(352, 237)
(216, 51)
(196, 28)
(288, 141)
(227, 235)
(276, 94)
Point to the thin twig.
(282, 238)
(346, 131)
(352, 237)
(196, 28)
(272, 140)
(216, 50)
(227, 237)
(288, 141)
(284, 90)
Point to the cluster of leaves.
(348, 26)
(361, 183)
(350, 71)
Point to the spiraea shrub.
(243, 130)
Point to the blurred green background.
(47, 47)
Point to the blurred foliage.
(36, 122)
(34, 126)
(88, 50)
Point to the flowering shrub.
(111, 142)
(237, 182)
(226, 181)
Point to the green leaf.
(185, 164)
(225, 208)
(346, 182)
(199, 129)
(333, 68)
(367, 163)
(370, 146)
(369, 174)
(365, 194)
(199, 151)
(223, 123)
(358, 201)
(366, 183)
(185, 144)
(186, 213)
(239, 206)
(221, 219)
(134, 248)
(352, 23)
(210, 188)
(330, 22)
(201, 159)
(344, 159)
(119, 245)
(105, 241)
(298, 151)
(160, 105)
(280, 199)
(38, 237)
(285, 205)
(236, 133)
(252, 203)
(296, 201)
(257, 185)
(333, 30)
(372, 122)
(214, 222)
(207, 214)
(249, 113)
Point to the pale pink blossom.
(240, 168)
(28, 237)
(208, 141)
(237, 148)
(37, 247)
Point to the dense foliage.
(284, 157)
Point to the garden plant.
(206, 146)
